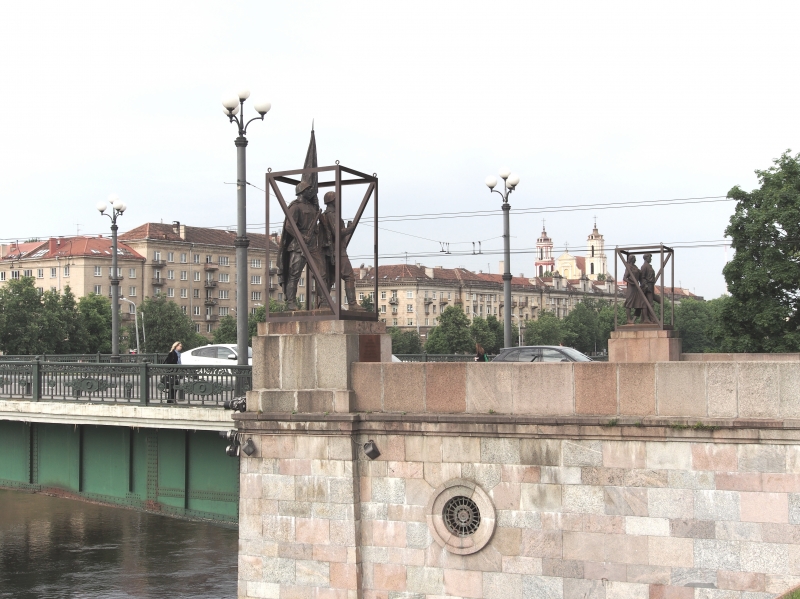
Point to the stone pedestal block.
(637, 343)
(305, 366)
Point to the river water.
(54, 548)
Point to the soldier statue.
(305, 213)
(328, 226)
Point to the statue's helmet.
(330, 197)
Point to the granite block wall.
(575, 517)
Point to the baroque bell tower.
(544, 254)
(595, 254)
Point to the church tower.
(544, 254)
(595, 255)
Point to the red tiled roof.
(198, 235)
(580, 261)
(92, 247)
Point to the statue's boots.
(350, 292)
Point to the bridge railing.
(154, 358)
(439, 357)
(142, 383)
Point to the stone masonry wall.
(652, 512)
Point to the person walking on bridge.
(173, 357)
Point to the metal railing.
(138, 384)
(439, 357)
(153, 358)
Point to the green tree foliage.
(226, 330)
(405, 342)
(20, 318)
(582, 327)
(483, 334)
(259, 316)
(452, 335)
(165, 323)
(367, 304)
(95, 323)
(546, 330)
(695, 322)
(764, 275)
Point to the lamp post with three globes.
(511, 181)
(235, 106)
(117, 209)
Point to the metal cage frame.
(293, 177)
(667, 256)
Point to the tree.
(694, 321)
(764, 275)
(226, 330)
(94, 312)
(581, 326)
(452, 335)
(546, 330)
(405, 342)
(367, 304)
(483, 334)
(165, 323)
(20, 311)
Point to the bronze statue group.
(640, 295)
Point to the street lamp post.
(511, 182)
(135, 324)
(234, 106)
(117, 208)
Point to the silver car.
(220, 354)
(541, 353)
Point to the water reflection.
(61, 548)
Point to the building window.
(255, 280)
(224, 261)
(434, 308)
(426, 322)
(170, 274)
(170, 257)
(257, 296)
(409, 295)
(197, 276)
(383, 309)
(15, 274)
(209, 259)
(184, 275)
(98, 290)
(170, 292)
(197, 310)
(196, 293)
(209, 327)
(157, 291)
(255, 263)
(591, 266)
(383, 295)
(360, 296)
(448, 295)
(66, 271)
(53, 273)
(409, 307)
(183, 309)
(2, 276)
(183, 258)
(223, 311)
(197, 328)
(410, 322)
(157, 256)
(394, 322)
(131, 309)
(132, 291)
(196, 260)
(28, 273)
(131, 273)
(302, 282)
(223, 294)
(224, 277)
(184, 293)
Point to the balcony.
(273, 271)
(394, 311)
(458, 301)
(523, 303)
(210, 301)
(209, 284)
(394, 301)
(127, 316)
(158, 281)
(111, 277)
(158, 263)
(443, 301)
(428, 301)
(210, 266)
(212, 317)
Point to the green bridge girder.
(177, 472)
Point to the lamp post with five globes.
(235, 106)
(117, 208)
(511, 182)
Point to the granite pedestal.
(644, 343)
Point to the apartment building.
(196, 268)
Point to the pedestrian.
(173, 357)
(480, 353)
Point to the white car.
(220, 354)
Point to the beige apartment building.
(193, 266)
(413, 296)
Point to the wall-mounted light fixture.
(371, 449)
(249, 448)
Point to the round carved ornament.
(461, 516)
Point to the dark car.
(541, 353)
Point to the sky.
(589, 103)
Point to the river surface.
(54, 548)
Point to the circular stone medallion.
(461, 516)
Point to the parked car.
(220, 354)
(541, 353)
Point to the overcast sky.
(590, 103)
